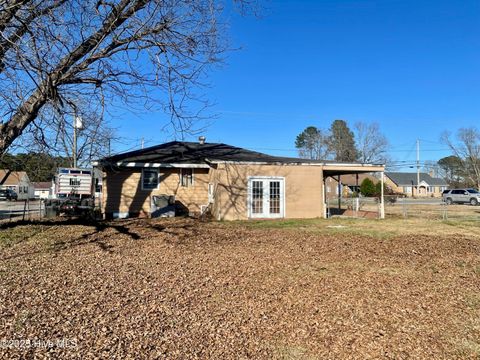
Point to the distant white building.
(17, 181)
(43, 190)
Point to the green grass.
(334, 226)
(288, 352)
(383, 229)
(14, 235)
(473, 301)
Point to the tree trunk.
(26, 113)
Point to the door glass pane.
(257, 197)
(274, 197)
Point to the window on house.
(74, 182)
(407, 189)
(186, 177)
(149, 179)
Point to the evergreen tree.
(367, 187)
(38, 166)
(342, 142)
(312, 143)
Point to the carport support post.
(324, 197)
(339, 193)
(382, 197)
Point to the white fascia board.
(162, 165)
(263, 163)
(354, 165)
(294, 163)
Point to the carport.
(336, 170)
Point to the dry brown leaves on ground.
(186, 289)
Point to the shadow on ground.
(102, 232)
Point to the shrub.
(367, 187)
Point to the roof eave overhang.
(161, 165)
(325, 165)
(278, 163)
(130, 164)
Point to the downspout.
(382, 197)
(324, 197)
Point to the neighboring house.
(231, 182)
(43, 190)
(350, 184)
(17, 181)
(406, 183)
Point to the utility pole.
(418, 167)
(143, 142)
(75, 139)
(77, 124)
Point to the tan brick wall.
(122, 190)
(303, 189)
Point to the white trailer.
(73, 181)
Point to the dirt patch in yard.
(173, 288)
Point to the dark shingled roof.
(42, 185)
(404, 178)
(181, 152)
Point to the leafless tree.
(466, 146)
(52, 133)
(372, 145)
(432, 168)
(54, 53)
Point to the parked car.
(462, 196)
(8, 195)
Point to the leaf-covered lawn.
(186, 289)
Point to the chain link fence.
(21, 210)
(402, 207)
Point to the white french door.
(266, 197)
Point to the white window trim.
(283, 202)
(158, 180)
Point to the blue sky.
(411, 66)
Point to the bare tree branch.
(55, 52)
(371, 143)
(466, 147)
